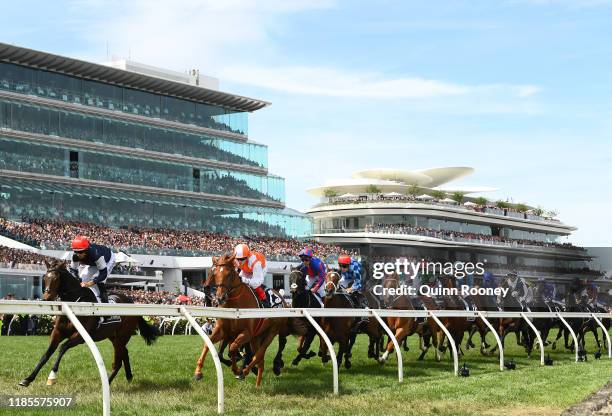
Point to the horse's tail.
(147, 331)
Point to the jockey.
(547, 291)
(100, 257)
(490, 282)
(253, 269)
(593, 292)
(314, 269)
(520, 290)
(351, 273)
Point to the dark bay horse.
(59, 283)
(303, 298)
(344, 330)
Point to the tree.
(458, 196)
(521, 207)
(538, 211)
(481, 200)
(502, 204)
(413, 190)
(438, 194)
(372, 189)
(330, 193)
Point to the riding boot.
(104, 299)
(265, 303)
(103, 292)
(362, 303)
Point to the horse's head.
(331, 283)
(224, 276)
(52, 280)
(297, 281)
(391, 281)
(447, 281)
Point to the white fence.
(72, 310)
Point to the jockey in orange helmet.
(253, 269)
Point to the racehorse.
(303, 298)
(231, 292)
(344, 330)
(455, 325)
(402, 327)
(59, 283)
(506, 325)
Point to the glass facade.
(22, 199)
(74, 201)
(52, 160)
(96, 94)
(34, 118)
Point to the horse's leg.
(400, 336)
(56, 338)
(214, 337)
(119, 350)
(278, 359)
(74, 340)
(559, 335)
(240, 340)
(126, 364)
(222, 348)
(259, 355)
(470, 344)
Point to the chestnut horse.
(59, 283)
(258, 333)
(402, 327)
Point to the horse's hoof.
(240, 377)
(295, 362)
(310, 355)
(129, 379)
(51, 382)
(347, 364)
(25, 382)
(276, 370)
(198, 377)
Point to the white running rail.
(73, 309)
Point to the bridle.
(331, 282)
(61, 270)
(229, 288)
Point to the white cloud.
(333, 82)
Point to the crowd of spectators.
(160, 298)
(458, 236)
(12, 257)
(508, 211)
(58, 234)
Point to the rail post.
(450, 340)
(400, 364)
(497, 339)
(96, 354)
(568, 326)
(215, 356)
(330, 346)
(605, 331)
(537, 333)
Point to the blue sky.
(518, 89)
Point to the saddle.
(274, 299)
(105, 320)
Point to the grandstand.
(389, 213)
(153, 162)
